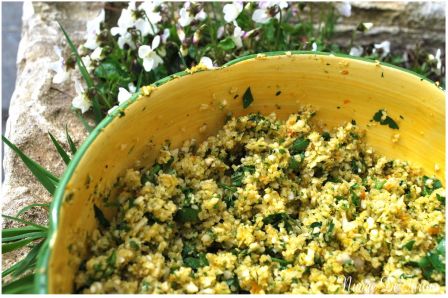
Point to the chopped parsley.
(299, 146)
(99, 215)
(247, 98)
(388, 121)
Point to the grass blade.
(42, 228)
(85, 74)
(24, 285)
(70, 141)
(11, 232)
(45, 177)
(82, 67)
(24, 236)
(60, 149)
(29, 261)
(25, 209)
(84, 122)
(7, 247)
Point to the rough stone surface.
(404, 23)
(38, 105)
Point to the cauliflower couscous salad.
(271, 206)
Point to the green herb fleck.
(247, 98)
(186, 214)
(388, 121)
(99, 215)
(409, 245)
(299, 146)
(436, 184)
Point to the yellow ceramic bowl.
(186, 106)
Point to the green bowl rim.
(41, 279)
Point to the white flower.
(262, 15)
(437, 57)
(232, 11)
(132, 87)
(201, 15)
(150, 58)
(97, 55)
(384, 46)
(81, 101)
(93, 29)
(59, 67)
(314, 47)
(123, 95)
(238, 33)
(87, 61)
(111, 110)
(181, 34)
(344, 8)
(220, 32)
(356, 51)
(125, 22)
(185, 18)
(207, 62)
(165, 35)
(148, 24)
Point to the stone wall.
(404, 23)
(38, 106)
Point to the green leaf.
(238, 176)
(83, 121)
(329, 233)
(276, 218)
(283, 263)
(26, 208)
(247, 98)
(227, 44)
(19, 231)
(24, 285)
(45, 177)
(112, 259)
(10, 246)
(60, 150)
(99, 215)
(85, 74)
(379, 184)
(24, 236)
(409, 245)
(111, 70)
(195, 263)
(70, 141)
(42, 228)
(28, 263)
(186, 214)
(388, 121)
(82, 67)
(436, 184)
(293, 164)
(299, 145)
(326, 136)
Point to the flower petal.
(155, 42)
(148, 64)
(143, 51)
(123, 95)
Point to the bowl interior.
(196, 105)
